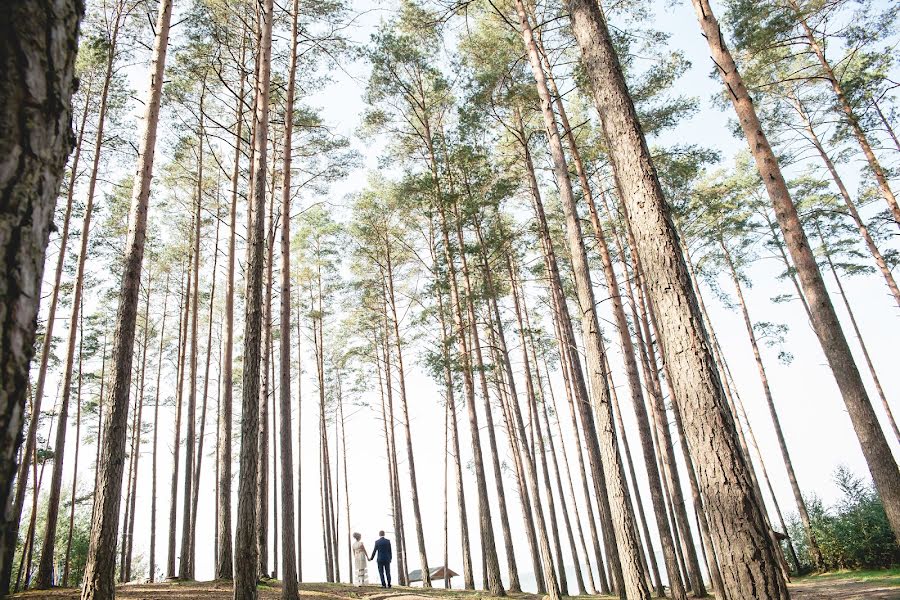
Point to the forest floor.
(860, 585)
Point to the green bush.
(852, 534)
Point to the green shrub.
(852, 534)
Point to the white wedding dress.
(360, 563)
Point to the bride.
(360, 560)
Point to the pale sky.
(812, 413)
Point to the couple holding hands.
(382, 550)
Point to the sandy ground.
(826, 589)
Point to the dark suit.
(382, 549)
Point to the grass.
(889, 577)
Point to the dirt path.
(844, 589)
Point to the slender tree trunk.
(401, 376)
(572, 369)
(289, 558)
(468, 578)
(262, 477)
(45, 567)
(162, 340)
(495, 583)
(750, 563)
(186, 566)
(299, 450)
(825, 322)
(99, 573)
(770, 402)
(203, 401)
(138, 431)
(224, 556)
(246, 558)
(880, 176)
(514, 584)
(633, 577)
(887, 124)
(179, 397)
(68, 559)
(123, 543)
(862, 345)
(38, 53)
(46, 346)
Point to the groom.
(383, 549)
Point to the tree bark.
(186, 566)
(750, 563)
(246, 556)
(224, 556)
(99, 577)
(825, 322)
(179, 397)
(289, 557)
(68, 559)
(162, 340)
(39, 43)
(633, 577)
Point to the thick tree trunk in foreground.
(749, 559)
(99, 576)
(245, 551)
(825, 322)
(38, 42)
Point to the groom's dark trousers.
(384, 571)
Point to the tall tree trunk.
(880, 176)
(179, 397)
(99, 573)
(203, 401)
(814, 551)
(514, 584)
(495, 583)
(38, 55)
(123, 543)
(246, 558)
(750, 564)
(68, 555)
(45, 568)
(550, 578)
(289, 558)
(633, 579)
(138, 431)
(572, 367)
(262, 476)
(162, 341)
(299, 450)
(468, 578)
(825, 322)
(186, 567)
(224, 568)
(862, 345)
(631, 369)
(401, 377)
